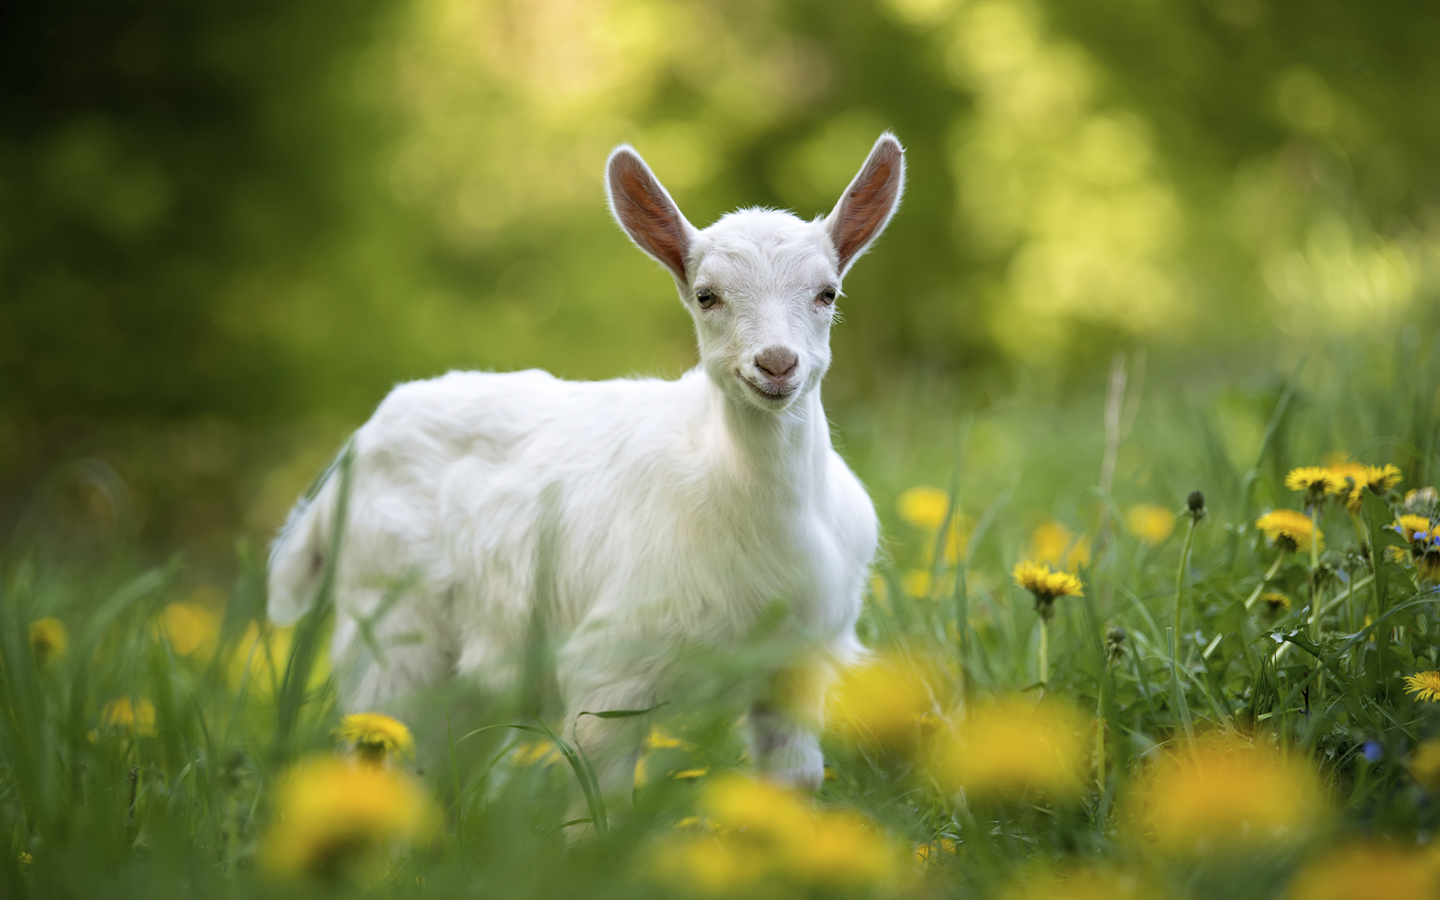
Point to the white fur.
(678, 512)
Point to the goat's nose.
(776, 362)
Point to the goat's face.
(761, 284)
(763, 297)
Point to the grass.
(1161, 647)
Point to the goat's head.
(761, 284)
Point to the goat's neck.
(780, 454)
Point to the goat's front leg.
(784, 728)
(610, 745)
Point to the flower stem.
(1260, 588)
(1179, 585)
(1044, 651)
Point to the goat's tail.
(301, 553)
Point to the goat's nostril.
(776, 362)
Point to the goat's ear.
(869, 202)
(644, 209)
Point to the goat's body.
(624, 522)
(673, 519)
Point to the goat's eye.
(826, 296)
(706, 298)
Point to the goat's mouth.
(771, 398)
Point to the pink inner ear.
(649, 216)
(866, 208)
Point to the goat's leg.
(378, 667)
(610, 745)
(784, 728)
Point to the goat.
(672, 513)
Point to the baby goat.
(665, 514)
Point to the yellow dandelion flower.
(1226, 792)
(1425, 764)
(1315, 481)
(1424, 685)
(924, 507)
(708, 865)
(1046, 585)
(261, 655)
(658, 739)
(1349, 484)
(190, 627)
(25, 858)
(1290, 530)
(376, 736)
(136, 717)
(1012, 746)
(1052, 543)
(760, 809)
(334, 816)
(1367, 872)
(930, 854)
(842, 850)
(1150, 523)
(878, 703)
(48, 639)
(1382, 478)
(1410, 526)
(917, 583)
(542, 752)
(1276, 602)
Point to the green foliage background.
(229, 228)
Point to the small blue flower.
(1373, 751)
(1422, 536)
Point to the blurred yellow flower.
(708, 865)
(136, 717)
(190, 627)
(334, 816)
(1083, 884)
(48, 639)
(1315, 481)
(1051, 542)
(1276, 602)
(261, 656)
(376, 737)
(924, 507)
(1226, 793)
(1425, 765)
(878, 702)
(542, 752)
(930, 854)
(758, 808)
(765, 832)
(1012, 746)
(1424, 685)
(659, 740)
(1290, 530)
(1150, 523)
(1367, 872)
(918, 582)
(842, 850)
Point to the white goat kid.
(668, 514)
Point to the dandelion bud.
(1195, 504)
(1114, 643)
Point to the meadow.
(1179, 693)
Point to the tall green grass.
(91, 808)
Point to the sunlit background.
(227, 229)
